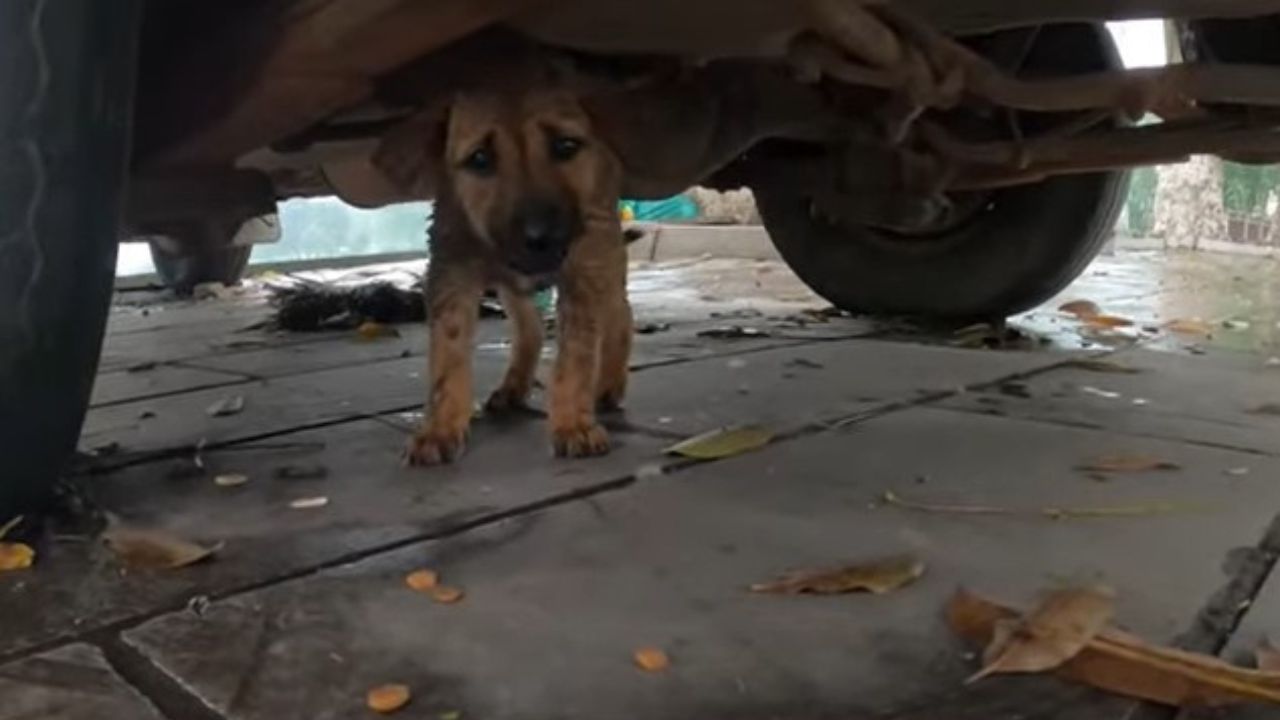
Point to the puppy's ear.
(411, 154)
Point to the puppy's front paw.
(506, 400)
(435, 446)
(579, 441)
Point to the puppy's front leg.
(579, 332)
(453, 302)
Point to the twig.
(1053, 513)
(4, 529)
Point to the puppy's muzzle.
(543, 231)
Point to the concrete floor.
(568, 567)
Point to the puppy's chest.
(519, 283)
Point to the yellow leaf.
(1119, 463)
(1082, 309)
(878, 576)
(446, 595)
(722, 443)
(1268, 657)
(1189, 327)
(1056, 631)
(154, 549)
(387, 698)
(373, 331)
(651, 659)
(422, 580)
(16, 556)
(1120, 663)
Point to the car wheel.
(1007, 251)
(66, 105)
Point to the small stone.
(231, 480)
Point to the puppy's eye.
(481, 161)
(565, 148)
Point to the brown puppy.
(525, 194)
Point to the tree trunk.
(1189, 207)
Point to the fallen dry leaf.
(878, 576)
(1054, 513)
(230, 480)
(722, 443)
(1189, 327)
(1101, 366)
(446, 595)
(1107, 321)
(16, 556)
(154, 549)
(232, 405)
(1268, 656)
(373, 331)
(388, 698)
(1053, 633)
(1081, 308)
(1121, 663)
(651, 659)
(1120, 463)
(310, 503)
(422, 580)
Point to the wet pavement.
(881, 431)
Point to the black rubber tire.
(1026, 245)
(67, 72)
(182, 271)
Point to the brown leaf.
(878, 576)
(446, 595)
(1081, 308)
(1120, 463)
(388, 698)
(422, 580)
(1056, 631)
(16, 556)
(651, 659)
(722, 443)
(154, 549)
(1189, 327)
(373, 331)
(1268, 656)
(1120, 663)
(1107, 321)
(1101, 366)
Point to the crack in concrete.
(166, 693)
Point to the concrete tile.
(789, 387)
(557, 601)
(1200, 399)
(372, 501)
(70, 683)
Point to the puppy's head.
(528, 174)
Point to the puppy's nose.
(543, 228)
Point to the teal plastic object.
(679, 207)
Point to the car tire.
(66, 104)
(1021, 246)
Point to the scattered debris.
(733, 332)
(388, 698)
(1081, 308)
(243, 344)
(14, 555)
(105, 449)
(1121, 663)
(422, 580)
(804, 363)
(1194, 326)
(1121, 463)
(310, 503)
(147, 415)
(1237, 471)
(1053, 513)
(722, 443)
(1099, 392)
(996, 336)
(879, 576)
(314, 306)
(227, 406)
(230, 480)
(650, 328)
(1015, 389)
(370, 330)
(1108, 322)
(446, 595)
(153, 549)
(1273, 361)
(1051, 634)
(141, 367)
(1235, 324)
(651, 659)
(300, 472)
(1101, 366)
(1265, 409)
